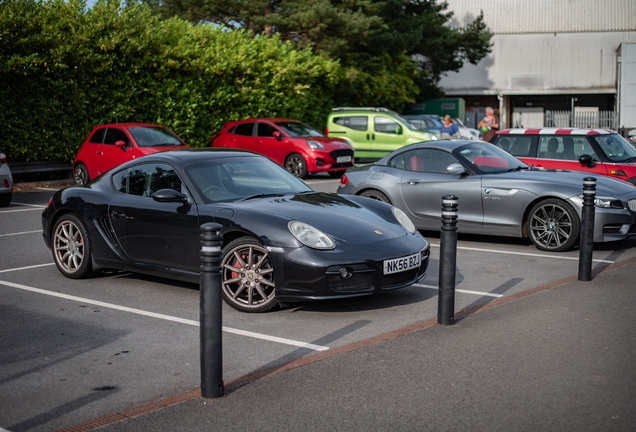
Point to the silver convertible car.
(498, 194)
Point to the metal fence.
(593, 119)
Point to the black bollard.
(210, 312)
(587, 229)
(447, 261)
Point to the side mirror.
(120, 144)
(586, 159)
(277, 135)
(455, 168)
(169, 195)
(398, 130)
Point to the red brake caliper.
(237, 264)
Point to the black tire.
(553, 225)
(5, 199)
(248, 276)
(336, 174)
(296, 164)
(377, 195)
(81, 174)
(72, 247)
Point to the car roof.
(445, 144)
(267, 119)
(555, 131)
(129, 125)
(365, 110)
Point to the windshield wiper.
(263, 196)
(519, 168)
(631, 159)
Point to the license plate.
(402, 264)
(342, 159)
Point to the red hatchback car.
(594, 151)
(298, 147)
(111, 145)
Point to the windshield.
(155, 137)
(488, 159)
(237, 178)
(299, 130)
(616, 148)
(407, 123)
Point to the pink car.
(111, 145)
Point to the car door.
(266, 144)
(426, 180)
(109, 155)
(354, 129)
(152, 232)
(563, 152)
(387, 134)
(241, 137)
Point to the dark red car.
(298, 147)
(111, 145)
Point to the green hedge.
(65, 69)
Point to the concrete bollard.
(586, 249)
(210, 311)
(447, 261)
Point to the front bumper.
(612, 224)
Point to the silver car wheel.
(81, 175)
(553, 226)
(248, 276)
(71, 250)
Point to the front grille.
(342, 165)
(632, 230)
(632, 204)
(337, 153)
(357, 282)
(397, 279)
(611, 229)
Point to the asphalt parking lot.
(72, 351)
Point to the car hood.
(566, 182)
(333, 214)
(330, 143)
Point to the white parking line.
(28, 205)
(26, 268)
(23, 232)
(524, 253)
(22, 210)
(166, 317)
(462, 291)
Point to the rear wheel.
(553, 225)
(248, 276)
(81, 174)
(71, 247)
(377, 195)
(296, 165)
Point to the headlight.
(310, 236)
(431, 137)
(612, 203)
(403, 219)
(315, 145)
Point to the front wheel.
(296, 165)
(553, 226)
(81, 175)
(248, 276)
(72, 247)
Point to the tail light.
(326, 131)
(6, 184)
(344, 180)
(49, 204)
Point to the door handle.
(373, 137)
(367, 137)
(231, 139)
(258, 142)
(413, 181)
(116, 214)
(100, 153)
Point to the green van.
(373, 132)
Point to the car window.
(616, 148)
(428, 160)
(565, 147)
(487, 158)
(385, 124)
(398, 162)
(114, 134)
(518, 146)
(155, 137)
(244, 129)
(96, 138)
(265, 130)
(146, 179)
(298, 129)
(353, 122)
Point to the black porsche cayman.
(282, 242)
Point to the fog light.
(346, 272)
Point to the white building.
(549, 57)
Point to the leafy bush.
(65, 69)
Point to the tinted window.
(244, 129)
(565, 147)
(265, 130)
(113, 135)
(298, 129)
(353, 122)
(155, 137)
(385, 124)
(144, 180)
(429, 160)
(486, 158)
(96, 138)
(516, 145)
